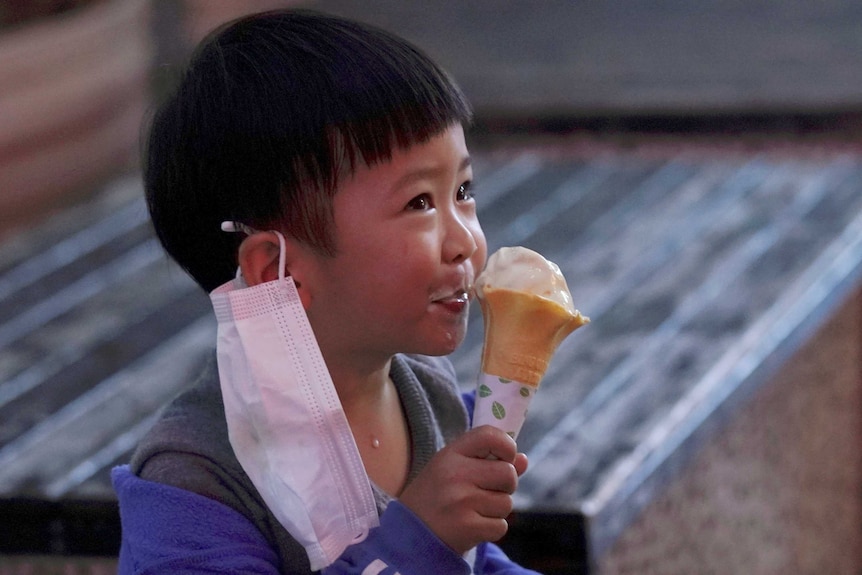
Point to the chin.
(438, 348)
(438, 342)
(449, 344)
(439, 353)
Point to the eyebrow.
(428, 173)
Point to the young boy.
(325, 158)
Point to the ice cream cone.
(528, 312)
(522, 332)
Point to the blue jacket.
(186, 505)
(206, 536)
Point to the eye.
(420, 203)
(465, 192)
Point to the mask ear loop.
(282, 254)
(230, 226)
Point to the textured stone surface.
(778, 489)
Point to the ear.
(258, 260)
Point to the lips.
(454, 302)
(460, 295)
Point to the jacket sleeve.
(167, 529)
(401, 544)
(170, 530)
(491, 560)
(404, 545)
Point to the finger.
(495, 475)
(521, 463)
(487, 442)
(492, 529)
(494, 505)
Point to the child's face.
(409, 247)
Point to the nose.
(463, 236)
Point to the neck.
(358, 386)
(378, 423)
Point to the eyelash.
(465, 190)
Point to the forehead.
(444, 155)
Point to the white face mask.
(285, 421)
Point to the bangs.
(375, 93)
(402, 100)
(325, 95)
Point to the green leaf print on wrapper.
(498, 410)
(501, 402)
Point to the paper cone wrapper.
(502, 403)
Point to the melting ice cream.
(528, 311)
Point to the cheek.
(414, 248)
(481, 254)
(390, 266)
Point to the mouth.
(455, 302)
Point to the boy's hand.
(464, 494)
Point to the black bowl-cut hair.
(272, 112)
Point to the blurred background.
(78, 74)
(563, 90)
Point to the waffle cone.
(522, 332)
